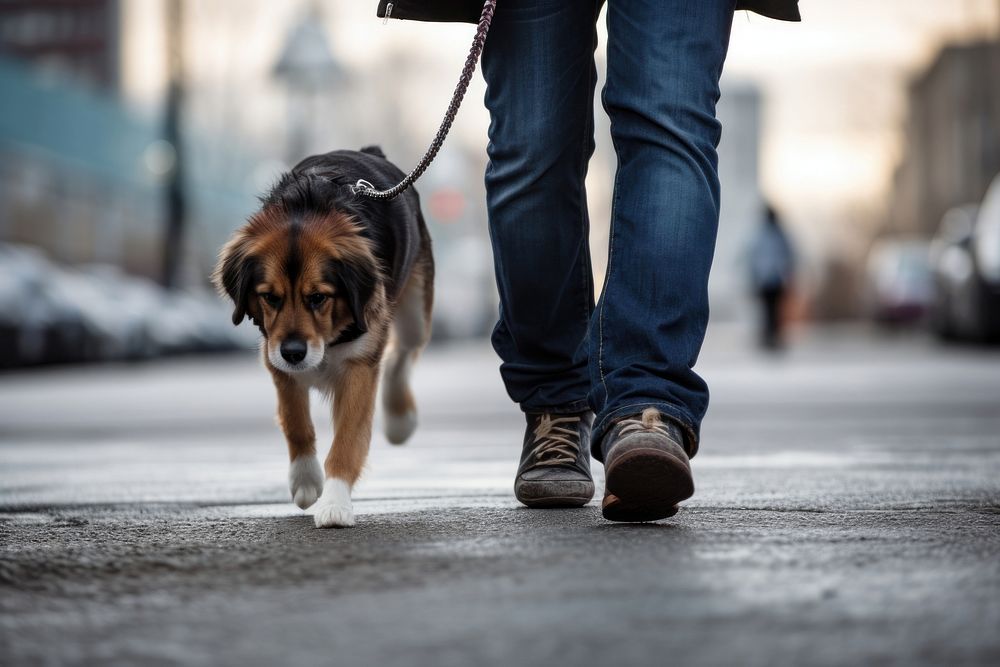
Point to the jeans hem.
(678, 415)
(572, 408)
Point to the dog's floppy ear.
(235, 276)
(355, 281)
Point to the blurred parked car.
(899, 284)
(52, 314)
(966, 263)
(986, 250)
(37, 322)
(953, 312)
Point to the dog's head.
(303, 277)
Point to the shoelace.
(649, 420)
(555, 441)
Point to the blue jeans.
(637, 347)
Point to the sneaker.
(555, 461)
(646, 469)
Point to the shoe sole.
(645, 485)
(552, 499)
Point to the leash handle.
(366, 189)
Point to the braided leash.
(366, 189)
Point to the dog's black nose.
(293, 350)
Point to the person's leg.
(764, 325)
(772, 317)
(540, 74)
(665, 58)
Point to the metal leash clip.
(362, 184)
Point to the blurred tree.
(176, 201)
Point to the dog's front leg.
(305, 477)
(353, 408)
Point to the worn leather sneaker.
(555, 461)
(646, 469)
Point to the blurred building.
(82, 171)
(81, 176)
(78, 38)
(741, 207)
(952, 139)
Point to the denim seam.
(641, 404)
(611, 253)
(583, 216)
(572, 408)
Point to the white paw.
(305, 481)
(334, 508)
(398, 428)
(333, 516)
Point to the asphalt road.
(847, 512)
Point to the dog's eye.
(271, 299)
(316, 300)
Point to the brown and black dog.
(330, 277)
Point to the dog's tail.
(373, 150)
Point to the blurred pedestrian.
(630, 358)
(772, 268)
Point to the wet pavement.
(847, 512)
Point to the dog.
(333, 279)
